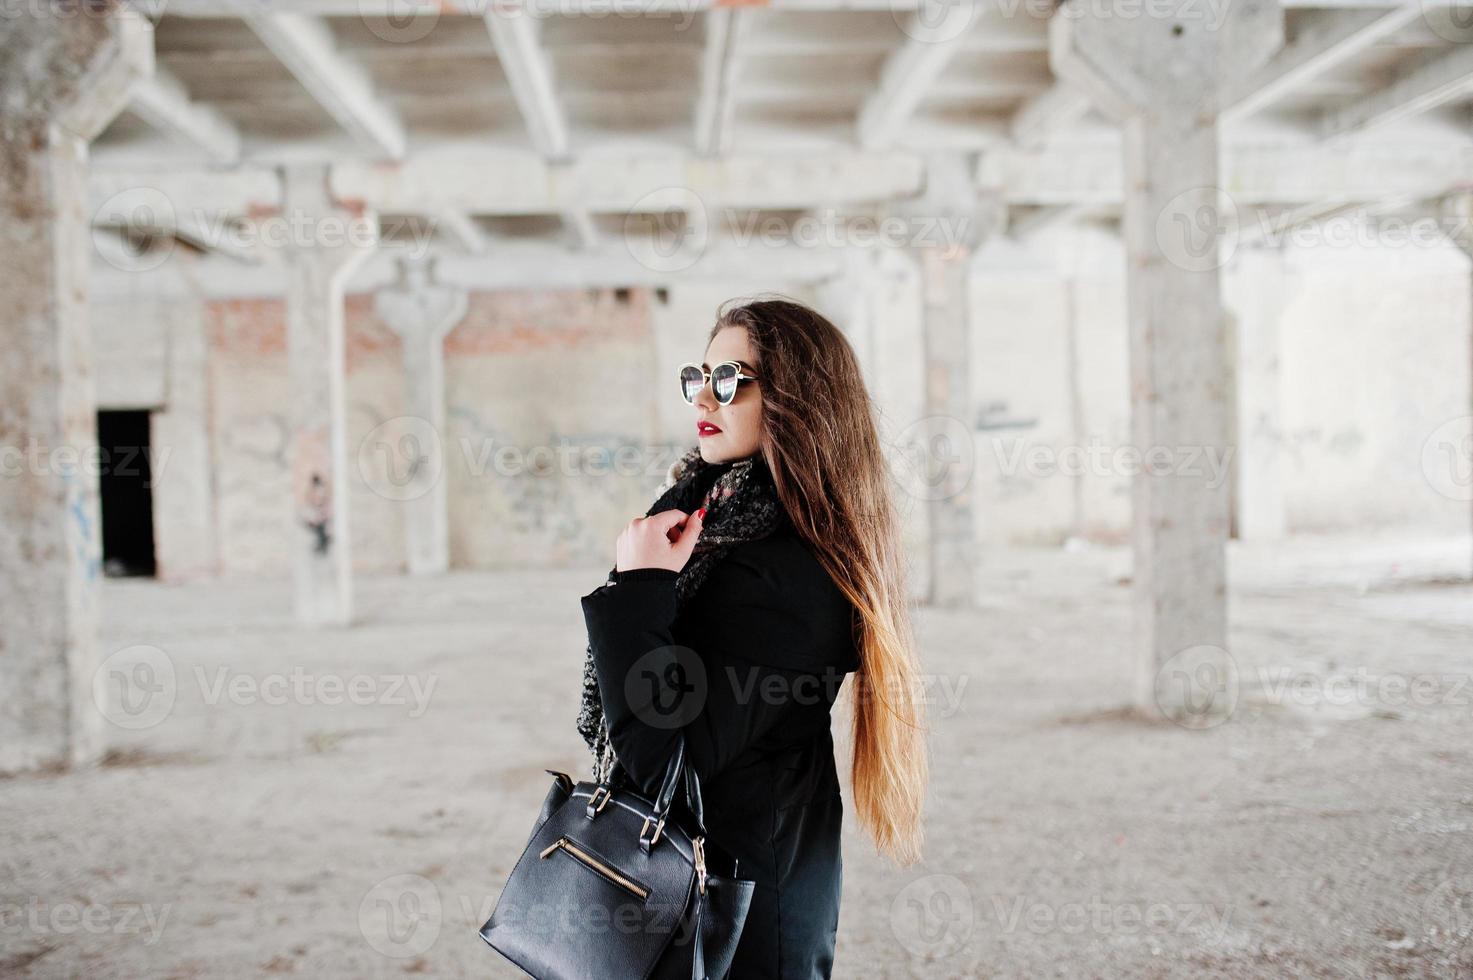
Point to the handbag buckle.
(647, 844)
(698, 846)
(596, 805)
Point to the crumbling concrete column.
(1164, 74)
(422, 312)
(1456, 217)
(877, 298)
(845, 300)
(947, 384)
(948, 224)
(326, 243)
(1256, 291)
(64, 74)
(186, 538)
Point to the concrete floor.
(1324, 830)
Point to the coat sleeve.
(720, 698)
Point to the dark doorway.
(127, 494)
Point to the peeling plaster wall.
(249, 399)
(549, 391)
(1050, 381)
(539, 413)
(1374, 356)
(547, 394)
(1021, 387)
(533, 396)
(152, 355)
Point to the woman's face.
(740, 423)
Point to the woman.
(768, 570)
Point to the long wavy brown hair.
(821, 441)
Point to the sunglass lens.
(691, 381)
(724, 382)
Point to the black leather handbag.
(616, 886)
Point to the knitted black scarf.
(741, 505)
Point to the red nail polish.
(701, 513)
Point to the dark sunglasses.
(724, 380)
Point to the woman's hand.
(663, 540)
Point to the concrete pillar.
(846, 300)
(878, 300)
(945, 277)
(1167, 91)
(64, 76)
(422, 312)
(1256, 291)
(947, 223)
(897, 315)
(184, 504)
(1457, 217)
(327, 242)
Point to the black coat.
(776, 637)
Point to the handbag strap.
(698, 945)
(679, 775)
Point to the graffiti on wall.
(562, 491)
(311, 470)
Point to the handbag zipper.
(595, 864)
